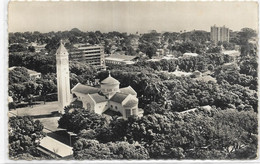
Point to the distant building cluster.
(219, 34)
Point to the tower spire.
(61, 50)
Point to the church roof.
(110, 80)
(119, 97)
(98, 98)
(131, 103)
(61, 50)
(80, 88)
(128, 90)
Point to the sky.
(130, 17)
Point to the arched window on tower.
(88, 106)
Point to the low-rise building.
(38, 47)
(234, 54)
(189, 54)
(169, 57)
(54, 148)
(121, 59)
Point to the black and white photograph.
(124, 80)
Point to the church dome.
(110, 80)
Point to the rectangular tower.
(90, 54)
(219, 34)
(63, 77)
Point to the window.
(111, 106)
(88, 106)
(116, 107)
(128, 112)
(134, 111)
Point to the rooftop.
(180, 73)
(207, 78)
(110, 80)
(29, 70)
(120, 57)
(56, 147)
(190, 54)
(131, 103)
(80, 88)
(231, 52)
(119, 97)
(62, 50)
(128, 90)
(32, 72)
(98, 98)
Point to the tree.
(24, 135)
(45, 87)
(30, 88)
(228, 45)
(148, 49)
(17, 91)
(31, 49)
(92, 149)
(76, 119)
(17, 48)
(245, 34)
(18, 75)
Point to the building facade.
(219, 34)
(109, 97)
(93, 55)
(63, 77)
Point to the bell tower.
(63, 77)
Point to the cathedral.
(107, 97)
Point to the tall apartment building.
(91, 54)
(219, 34)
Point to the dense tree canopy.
(18, 75)
(92, 149)
(168, 129)
(76, 119)
(24, 135)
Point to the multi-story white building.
(219, 34)
(91, 54)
